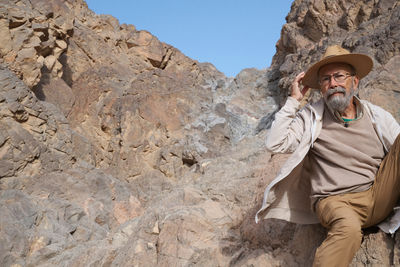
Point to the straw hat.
(336, 54)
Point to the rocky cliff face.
(118, 150)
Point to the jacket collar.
(318, 109)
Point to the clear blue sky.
(231, 34)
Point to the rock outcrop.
(118, 150)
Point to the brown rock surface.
(118, 150)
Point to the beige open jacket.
(294, 130)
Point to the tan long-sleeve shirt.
(344, 159)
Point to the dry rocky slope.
(118, 150)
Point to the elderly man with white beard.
(344, 170)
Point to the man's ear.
(356, 80)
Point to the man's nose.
(332, 82)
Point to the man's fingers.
(296, 85)
(299, 77)
(297, 80)
(301, 74)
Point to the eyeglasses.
(338, 77)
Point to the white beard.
(339, 102)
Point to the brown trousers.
(345, 215)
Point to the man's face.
(338, 85)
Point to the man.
(344, 171)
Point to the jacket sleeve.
(390, 127)
(287, 129)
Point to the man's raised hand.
(295, 88)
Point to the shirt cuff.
(292, 102)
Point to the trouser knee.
(351, 232)
(340, 246)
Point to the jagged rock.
(31, 31)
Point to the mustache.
(335, 90)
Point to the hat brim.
(362, 64)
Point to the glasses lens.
(338, 77)
(325, 80)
